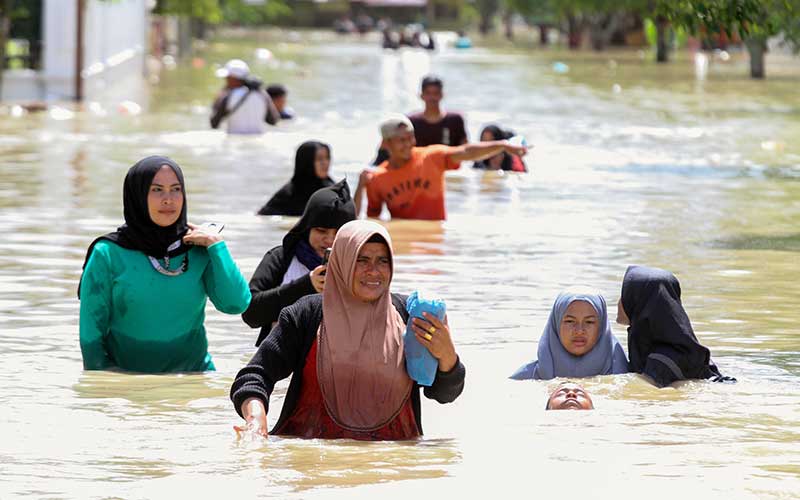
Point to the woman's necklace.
(166, 271)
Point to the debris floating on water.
(129, 108)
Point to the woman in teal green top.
(144, 287)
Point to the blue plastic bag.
(420, 363)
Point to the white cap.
(394, 124)
(235, 68)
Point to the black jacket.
(330, 207)
(284, 353)
(269, 296)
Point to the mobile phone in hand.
(212, 227)
(325, 258)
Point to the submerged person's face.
(400, 145)
(372, 273)
(570, 396)
(321, 238)
(580, 328)
(165, 197)
(622, 316)
(322, 163)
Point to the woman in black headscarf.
(144, 287)
(294, 269)
(500, 161)
(311, 165)
(661, 341)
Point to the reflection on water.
(696, 176)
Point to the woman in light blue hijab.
(577, 340)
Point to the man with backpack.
(242, 103)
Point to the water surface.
(633, 163)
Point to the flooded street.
(633, 164)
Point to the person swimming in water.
(569, 396)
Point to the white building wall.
(114, 44)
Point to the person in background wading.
(312, 163)
(434, 125)
(344, 349)
(280, 96)
(144, 287)
(411, 182)
(294, 269)
(242, 103)
(502, 161)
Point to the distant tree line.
(754, 21)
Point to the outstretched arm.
(482, 150)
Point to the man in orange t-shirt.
(411, 182)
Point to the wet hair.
(276, 90)
(431, 80)
(497, 132)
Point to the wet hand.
(197, 236)
(435, 336)
(253, 427)
(318, 278)
(255, 417)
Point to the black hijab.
(139, 231)
(498, 134)
(330, 207)
(661, 341)
(291, 199)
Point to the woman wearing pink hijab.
(344, 350)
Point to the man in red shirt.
(411, 182)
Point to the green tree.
(754, 20)
(205, 10)
(487, 10)
(240, 12)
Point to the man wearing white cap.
(411, 182)
(242, 103)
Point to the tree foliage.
(227, 11)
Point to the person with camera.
(296, 268)
(243, 103)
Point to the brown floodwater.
(633, 163)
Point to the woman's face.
(165, 198)
(321, 238)
(373, 272)
(486, 135)
(322, 163)
(622, 316)
(580, 328)
(569, 396)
